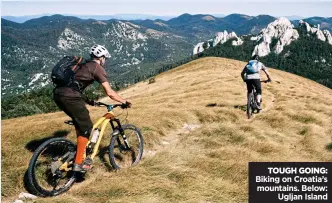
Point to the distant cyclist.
(250, 75)
(71, 100)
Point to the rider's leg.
(258, 91)
(76, 109)
(259, 98)
(82, 141)
(81, 146)
(81, 165)
(249, 87)
(83, 125)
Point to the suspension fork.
(121, 131)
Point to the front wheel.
(126, 150)
(50, 168)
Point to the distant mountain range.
(22, 19)
(139, 48)
(30, 49)
(201, 26)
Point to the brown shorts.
(75, 108)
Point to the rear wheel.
(50, 169)
(124, 154)
(250, 105)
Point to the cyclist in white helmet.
(72, 101)
(250, 75)
(98, 52)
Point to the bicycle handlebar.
(266, 81)
(109, 106)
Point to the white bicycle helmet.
(99, 51)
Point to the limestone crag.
(280, 30)
(199, 48)
(323, 35)
(237, 42)
(273, 38)
(328, 36)
(220, 38)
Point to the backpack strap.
(76, 67)
(76, 85)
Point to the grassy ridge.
(195, 151)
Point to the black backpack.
(63, 73)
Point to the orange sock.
(81, 145)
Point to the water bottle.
(95, 136)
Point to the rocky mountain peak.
(323, 35)
(280, 30)
(220, 38)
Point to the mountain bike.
(50, 169)
(252, 101)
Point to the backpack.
(252, 67)
(63, 73)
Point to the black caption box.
(295, 182)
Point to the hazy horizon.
(277, 8)
(22, 19)
(144, 14)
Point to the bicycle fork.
(118, 129)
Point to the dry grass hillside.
(194, 151)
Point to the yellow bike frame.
(101, 122)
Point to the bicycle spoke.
(56, 184)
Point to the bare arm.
(111, 93)
(267, 74)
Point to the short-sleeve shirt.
(85, 76)
(259, 66)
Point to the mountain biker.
(250, 75)
(72, 101)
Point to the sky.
(304, 8)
